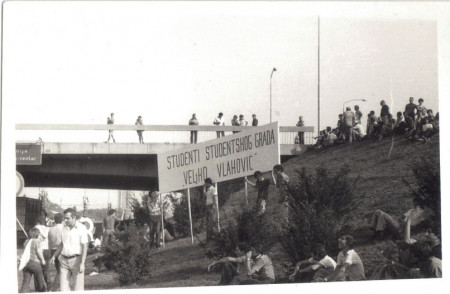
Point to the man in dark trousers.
(263, 191)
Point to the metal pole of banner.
(22, 228)
(162, 221)
(246, 192)
(218, 215)
(190, 215)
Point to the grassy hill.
(381, 167)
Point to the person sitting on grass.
(349, 266)
(429, 265)
(320, 264)
(263, 191)
(399, 125)
(331, 138)
(259, 267)
(358, 131)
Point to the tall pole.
(190, 215)
(271, 74)
(318, 75)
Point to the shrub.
(261, 231)
(320, 205)
(140, 210)
(129, 255)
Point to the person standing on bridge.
(212, 208)
(219, 121)
(301, 135)
(140, 123)
(110, 121)
(254, 121)
(193, 122)
(235, 123)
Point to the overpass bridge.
(123, 166)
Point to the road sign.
(28, 154)
(233, 156)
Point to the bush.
(129, 255)
(260, 231)
(140, 210)
(320, 205)
(427, 189)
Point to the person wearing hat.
(212, 207)
(154, 208)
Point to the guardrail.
(171, 133)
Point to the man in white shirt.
(349, 266)
(72, 252)
(212, 208)
(320, 264)
(358, 131)
(154, 208)
(218, 121)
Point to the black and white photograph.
(202, 146)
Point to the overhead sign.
(233, 156)
(28, 154)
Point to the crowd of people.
(417, 258)
(416, 122)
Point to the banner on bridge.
(28, 154)
(230, 157)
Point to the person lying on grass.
(259, 267)
(320, 264)
(382, 224)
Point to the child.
(33, 266)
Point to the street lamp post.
(343, 104)
(271, 74)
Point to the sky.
(76, 62)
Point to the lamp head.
(274, 69)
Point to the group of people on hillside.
(419, 258)
(220, 121)
(416, 122)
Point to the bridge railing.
(161, 133)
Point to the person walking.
(72, 252)
(32, 263)
(301, 135)
(193, 122)
(139, 132)
(54, 240)
(110, 121)
(219, 121)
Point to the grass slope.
(381, 186)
